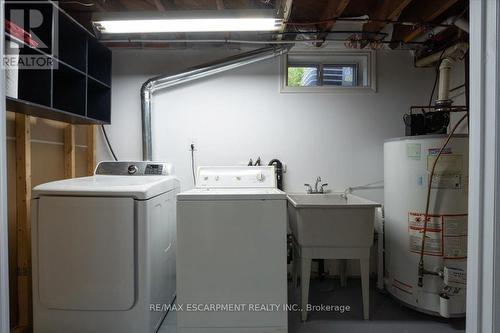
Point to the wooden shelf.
(76, 85)
(42, 111)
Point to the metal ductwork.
(194, 73)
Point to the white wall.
(241, 114)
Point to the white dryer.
(231, 252)
(103, 250)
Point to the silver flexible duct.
(194, 73)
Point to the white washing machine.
(104, 250)
(231, 252)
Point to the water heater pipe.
(459, 22)
(421, 268)
(456, 51)
(194, 73)
(444, 82)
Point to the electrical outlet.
(194, 142)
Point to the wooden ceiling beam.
(332, 10)
(100, 7)
(388, 10)
(159, 5)
(219, 4)
(237, 4)
(284, 11)
(137, 5)
(195, 4)
(427, 11)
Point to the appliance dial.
(132, 169)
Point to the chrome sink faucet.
(321, 189)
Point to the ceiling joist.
(388, 10)
(331, 10)
(304, 19)
(425, 11)
(160, 6)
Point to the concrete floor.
(386, 315)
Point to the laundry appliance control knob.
(132, 169)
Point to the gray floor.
(386, 314)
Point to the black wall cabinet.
(75, 86)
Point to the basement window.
(333, 71)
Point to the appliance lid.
(138, 187)
(204, 194)
(236, 177)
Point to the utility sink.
(331, 220)
(331, 226)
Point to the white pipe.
(460, 23)
(457, 50)
(444, 80)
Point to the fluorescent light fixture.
(194, 21)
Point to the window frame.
(365, 62)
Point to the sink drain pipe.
(194, 73)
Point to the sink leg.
(305, 274)
(294, 273)
(365, 286)
(295, 269)
(321, 269)
(343, 272)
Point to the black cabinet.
(98, 59)
(98, 101)
(68, 90)
(74, 85)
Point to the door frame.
(483, 283)
(4, 257)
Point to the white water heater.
(407, 165)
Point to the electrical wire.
(457, 87)
(421, 270)
(85, 4)
(193, 164)
(108, 143)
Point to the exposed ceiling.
(357, 23)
